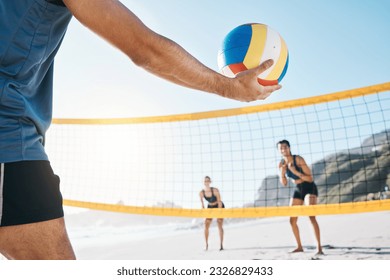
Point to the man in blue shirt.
(31, 31)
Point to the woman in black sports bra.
(295, 167)
(213, 198)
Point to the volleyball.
(249, 45)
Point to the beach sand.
(347, 237)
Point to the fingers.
(273, 88)
(264, 66)
(249, 89)
(267, 91)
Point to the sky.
(333, 46)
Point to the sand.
(363, 236)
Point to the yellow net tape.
(253, 212)
(236, 111)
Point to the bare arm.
(201, 198)
(218, 196)
(305, 175)
(161, 56)
(282, 170)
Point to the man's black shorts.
(29, 193)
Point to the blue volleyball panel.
(233, 56)
(236, 43)
(284, 70)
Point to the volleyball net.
(156, 165)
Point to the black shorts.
(304, 189)
(29, 193)
(215, 206)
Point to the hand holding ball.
(249, 45)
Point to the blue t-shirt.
(31, 32)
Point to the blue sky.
(333, 45)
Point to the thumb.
(264, 66)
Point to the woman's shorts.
(215, 206)
(304, 189)
(29, 193)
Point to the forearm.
(149, 50)
(201, 201)
(171, 62)
(283, 179)
(161, 56)
(303, 177)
